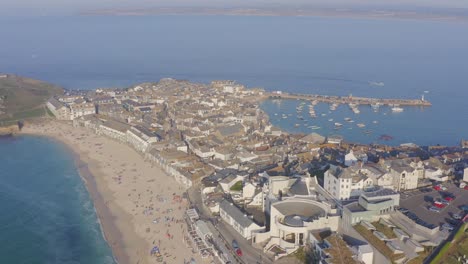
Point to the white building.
(115, 130)
(343, 183)
(352, 158)
(82, 109)
(241, 222)
(141, 138)
(58, 109)
(293, 219)
(371, 206)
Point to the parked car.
(457, 216)
(436, 187)
(449, 198)
(439, 204)
(403, 210)
(234, 244)
(434, 209)
(464, 207)
(239, 252)
(448, 227)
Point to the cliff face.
(9, 130)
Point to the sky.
(84, 5)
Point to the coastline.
(129, 233)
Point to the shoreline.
(124, 223)
(106, 219)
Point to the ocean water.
(335, 56)
(46, 213)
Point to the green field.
(23, 98)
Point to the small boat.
(375, 122)
(368, 132)
(338, 124)
(323, 114)
(397, 109)
(276, 114)
(361, 125)
(296, 125)
(331, 119)
(377, 84)
(315, 127)
(347, 119)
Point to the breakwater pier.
(350, 99)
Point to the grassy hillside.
(22, 98)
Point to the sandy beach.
(137, 203)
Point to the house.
(81, 108)
(353, 157)
(343, 183)
(241, 222)
(230, 181)
(379, 175)
(114, 129)
(141, 138)
(405, 177)
(58, 109)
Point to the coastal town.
(256, 194)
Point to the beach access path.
(134, 199)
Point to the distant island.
(445, 14)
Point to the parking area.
(418, 202)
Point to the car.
(449, 198)
(445, 202)
(239, 252)
(403, 210)
(439, 204)
(436, 187)
(235, 245)
(434, 209)
(466, 187)
(464, 207)
(448, 227)
(457, 216)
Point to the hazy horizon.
(69, 6)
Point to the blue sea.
(46, 213)
(335, 56)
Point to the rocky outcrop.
(9, 130)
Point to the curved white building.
(293, 220)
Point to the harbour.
(352, 101)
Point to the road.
(250, 255)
